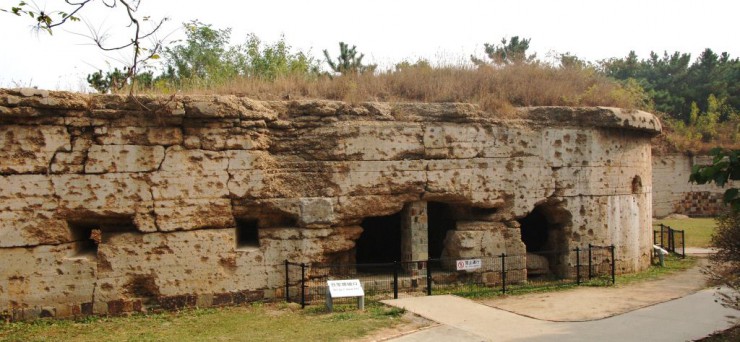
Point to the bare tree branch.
(45, 21)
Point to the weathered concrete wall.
(109, 204)
(672, 192)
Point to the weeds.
(494, 88)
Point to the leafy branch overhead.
(725, 268)
(725, 167)
(348, 62)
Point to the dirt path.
(592, 303)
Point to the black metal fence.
(672, 240)
(488, 275)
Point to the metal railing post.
(503, 272)
(429, 279)
(287, 282)
(683, 243)
(661, 236)
(303, 286)
(578, 266)
(396, 265)
(614, 263)
(590, 273)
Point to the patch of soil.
(729, 335)
(592, 303)
(410, 324)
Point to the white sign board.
(468, 265)
(345, 288)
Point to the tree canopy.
(675, 83)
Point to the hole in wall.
(87, 238)
(247, 234)
(441, 219)
(380, 240)
(91, 231)
(636, 185)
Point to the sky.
(386, 31)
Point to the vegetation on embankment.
(697, 99)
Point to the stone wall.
(110, 204)
(672, 192)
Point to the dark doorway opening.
(543, 234)
(440, 219)
(535, 229)
(380, 241)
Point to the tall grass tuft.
(495, 89)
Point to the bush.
(725, 267)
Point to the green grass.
(698, 230)
(258, 322)
(274, 322)
(673, 264)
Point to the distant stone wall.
(672, 192)
(111, 205)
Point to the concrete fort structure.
(673, 193)
(110, 204)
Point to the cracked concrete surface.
(184, 170)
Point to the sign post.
(343, 289)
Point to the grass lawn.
(257, 322)
(673, 263)
(698, 230)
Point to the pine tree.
(348, 62)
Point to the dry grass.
(682, 139)
(495, 89)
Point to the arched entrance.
(543, 234)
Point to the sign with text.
(345, 288)
(469, 265)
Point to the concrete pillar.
(414, 232)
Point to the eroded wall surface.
(673, 193)
(109, 204)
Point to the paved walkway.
(588, 303)
(688, 318)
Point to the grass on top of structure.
(495, 89)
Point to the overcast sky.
(386, 31)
